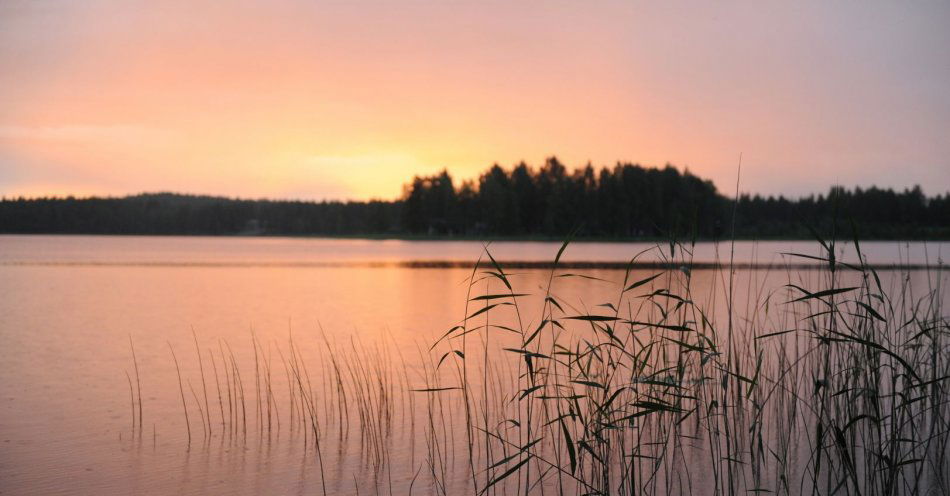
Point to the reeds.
(835, 382)
(839, 388)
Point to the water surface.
(71, 303)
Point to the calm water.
(69, 304)
(170, 250)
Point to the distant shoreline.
(513, 239)
(626, 203)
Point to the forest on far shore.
(626, 201)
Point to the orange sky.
(314, 100)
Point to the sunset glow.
(341, 100)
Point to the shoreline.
(489, 239)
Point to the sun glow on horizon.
(350, 100)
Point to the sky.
(349, 99)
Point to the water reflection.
(65, 333)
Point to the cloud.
(123, 134)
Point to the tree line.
(626, 201)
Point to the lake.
(270, 313)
